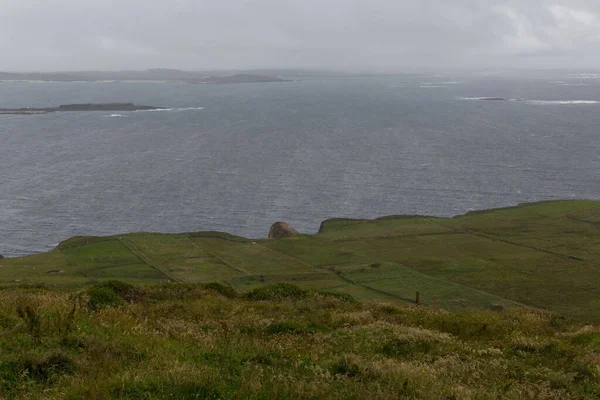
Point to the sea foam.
(562, 102)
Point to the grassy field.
(542, 255)
(205, 341)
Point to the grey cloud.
(201, 34)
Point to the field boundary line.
(340, 277)
(139, 254)
(451, 232)
(237, 268)
(496, 238)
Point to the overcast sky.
(42, 35)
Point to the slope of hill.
(542, 255)
(195, 341)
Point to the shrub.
(291, 327)
(34, 326)
(102, 296)
(347, 365)
(337, 295)
(224, 290)
(279, 291)
(126, 291)
(400, 347)
(49, 365)
(263, 357)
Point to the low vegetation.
(115, 340)
(542, 255)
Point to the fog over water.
(237, 158)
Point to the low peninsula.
(242, 78)
(78, 108)
(164, 75)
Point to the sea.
(238, 157)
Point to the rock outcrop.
(281, 230)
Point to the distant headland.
(78, 107)
(159, 75)
(242, 78)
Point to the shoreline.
(322, 225)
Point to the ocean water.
(237, 158)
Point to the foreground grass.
(198, 341)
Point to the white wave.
(564, 83)
(116, 115)
(180, 109)
(157, 110)
(586, 76)
(562, 102)
(432, 86)
(485, 98)
(188, 109)
(535, 102)
(440, 83)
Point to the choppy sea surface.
(237, 158)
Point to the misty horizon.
(381, 35)
(417, 70)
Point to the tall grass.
(186, 341)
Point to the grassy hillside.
(195, 341)
(543, 255)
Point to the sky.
(67, 35)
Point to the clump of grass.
(294, 328)
(29, 315)
(279, 291)
(349, 365)
(102, 296)
(261, 358)
(287, 291)
(336, 295)
(223, 290)
(403, 347)
(113, 293)
(126, 291)
(48, 366)
(189, 290)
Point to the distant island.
(160, 75)
(78, 107)
(242, 78)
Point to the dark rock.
(1, 256)
(281, 230)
